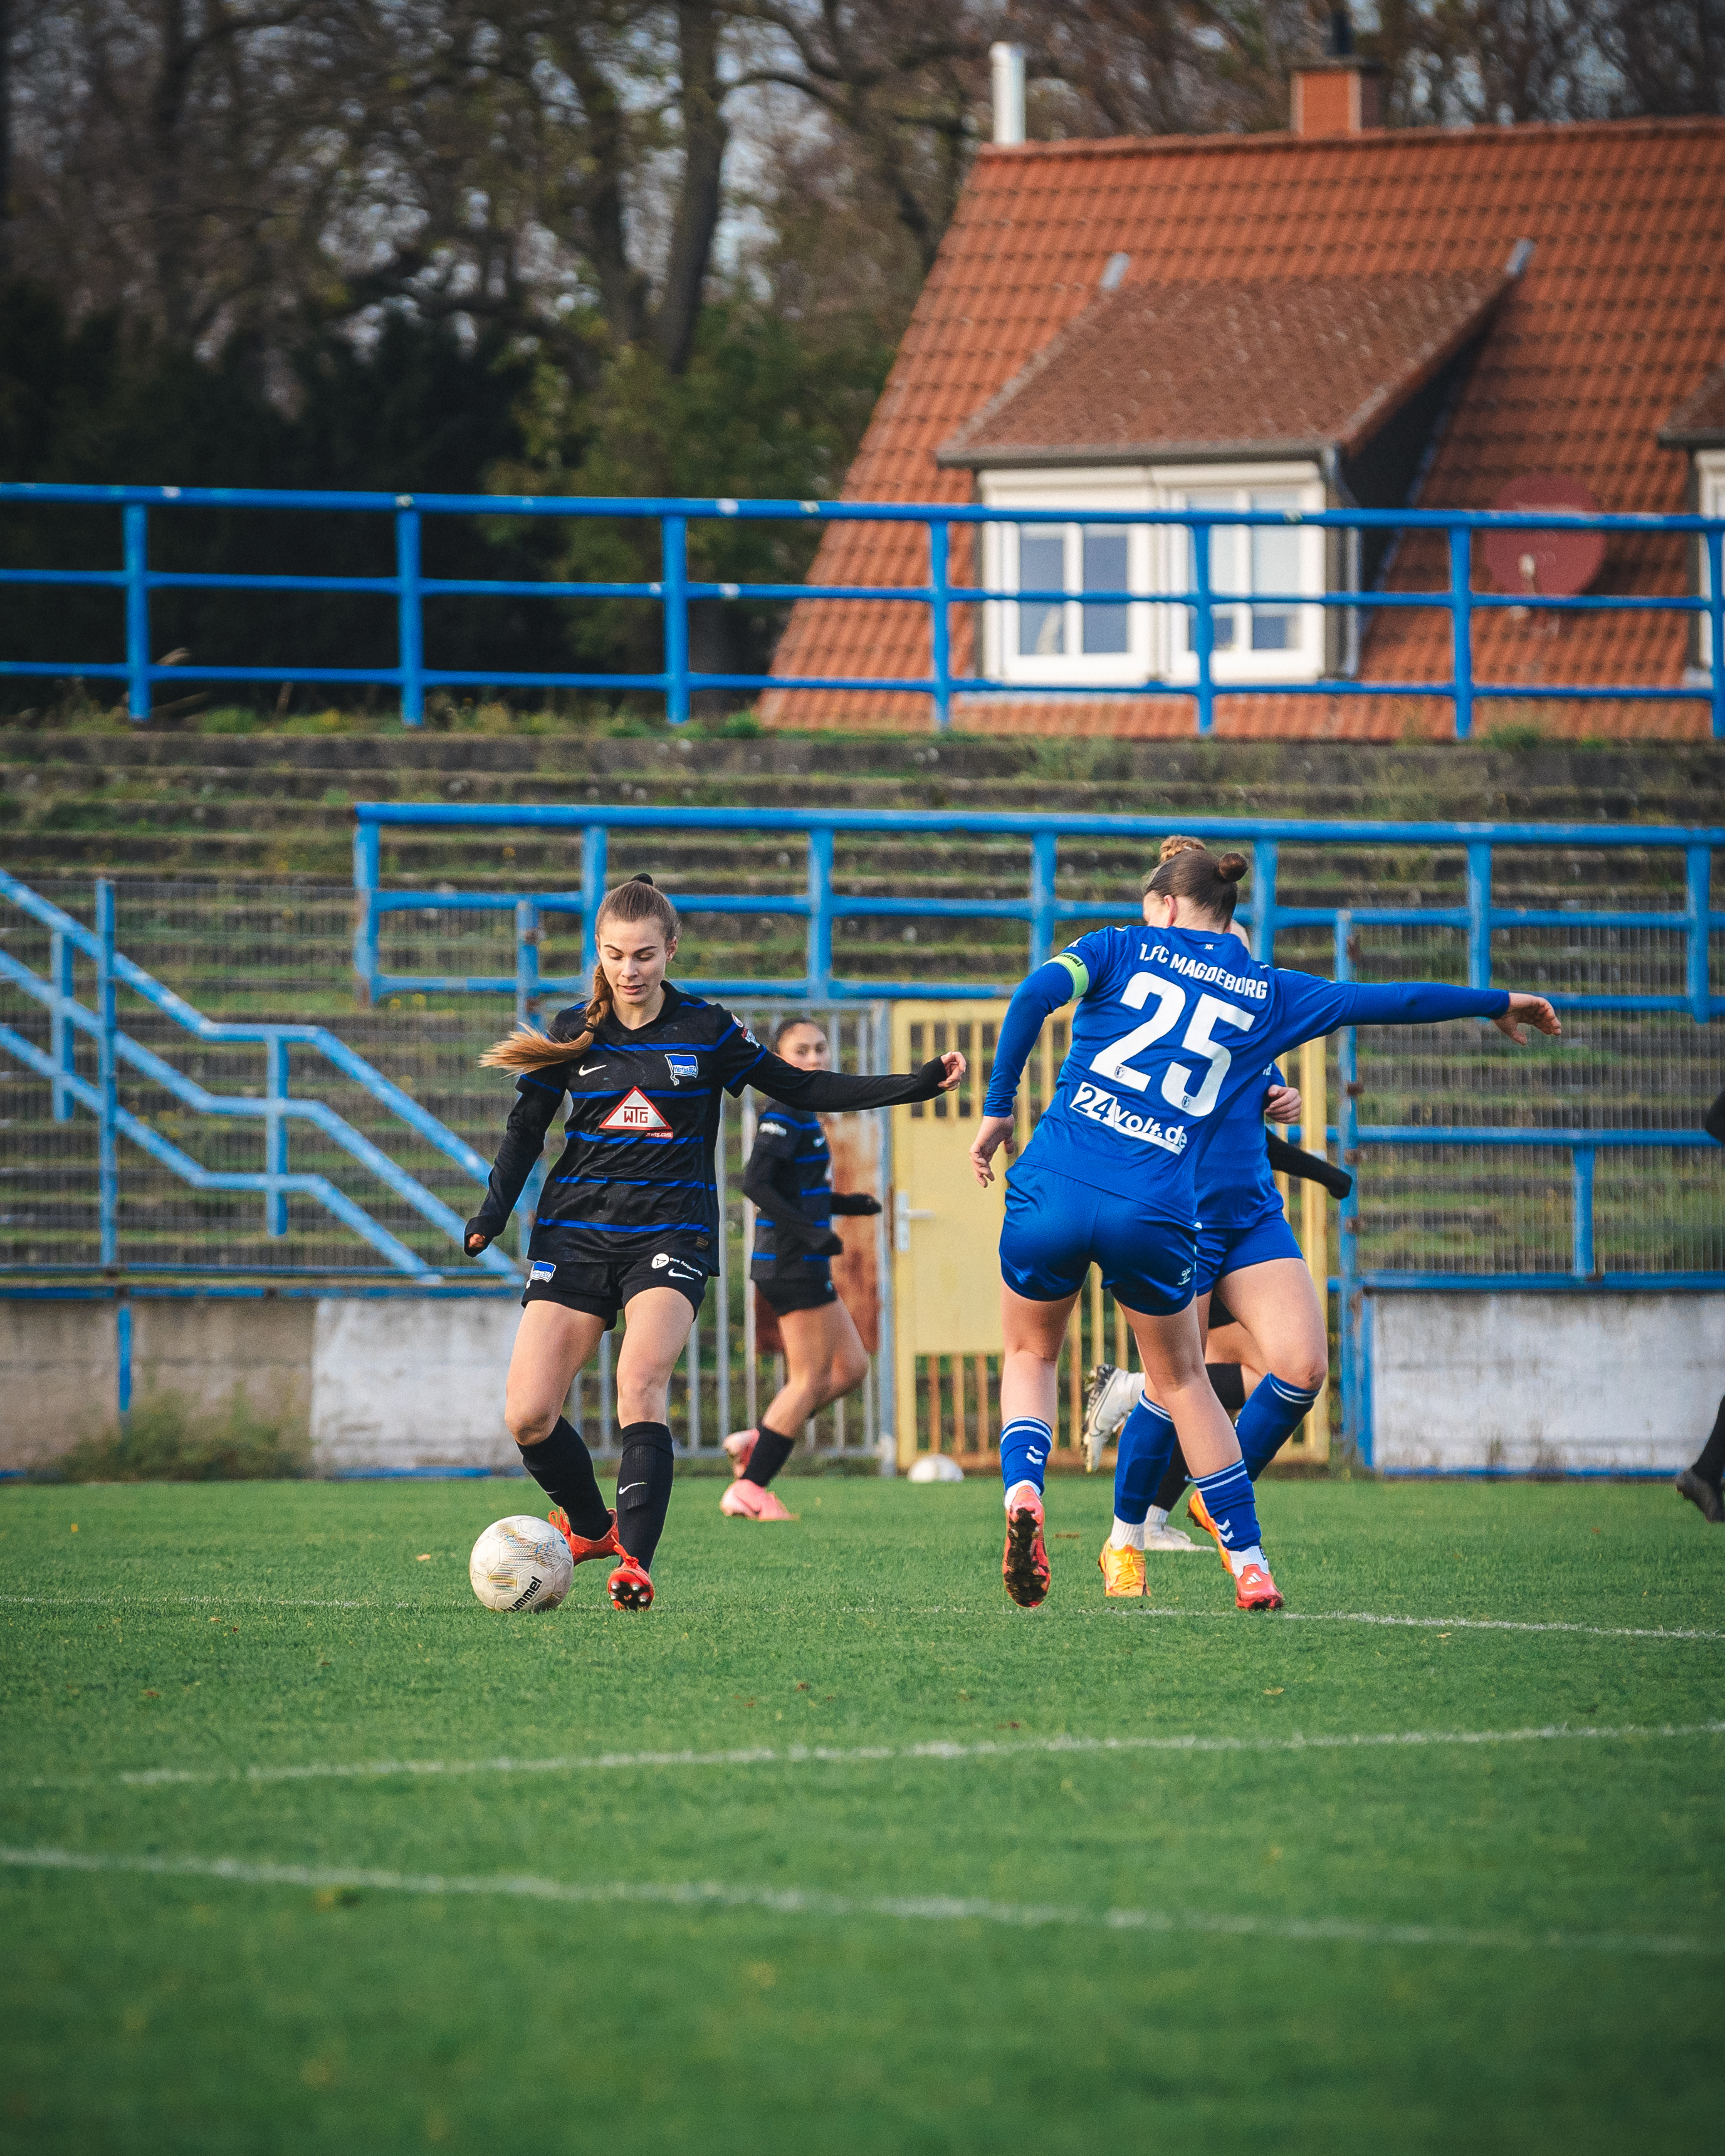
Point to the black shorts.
(782, 1296)
(603, 1288)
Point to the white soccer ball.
(520, 1564)
(936, 1467)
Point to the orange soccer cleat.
(583, 1547)
(1024, 1568)
(630, 1587)
(1254, 1589)
(1122, 1570)
(1199, 1513)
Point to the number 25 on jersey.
(1115, 1061)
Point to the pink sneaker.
(741, 1445)
(748, 1501)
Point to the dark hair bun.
(1232, 867)
(642, 878)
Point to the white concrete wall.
(1582, 1380)
(412, 1384)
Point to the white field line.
(792, 1902)
(597, 1610)
(941, 1751)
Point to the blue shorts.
(1055, 1229)
(1222, 1250)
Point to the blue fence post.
(1699, 986)
(410, 620)
(1479, 914)
(820, 916)
(1351, 1314)
(122, 1355)
(673, 599)
(1043, 868)
(595, 854)
(527, 959)
(62, 1034)
(940, 641)
(365, 912)
(1714, 542)
(107, 1078)
(1581, 1229)
(137, 610)
(1204, 634)
(1264, 867)
(1461, 628)
(275, 1135)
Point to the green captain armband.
(1077, 968)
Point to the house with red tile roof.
(1338, 316)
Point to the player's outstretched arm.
(1534, 1010)
(832, 1092)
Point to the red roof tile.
(1699, 421)
(1620, 314)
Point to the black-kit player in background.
(627, 1219)
(1701, 1484)
(788, 1181)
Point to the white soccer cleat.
(1168, 1538)
(1111, 1397)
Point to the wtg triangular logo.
(636, 1114)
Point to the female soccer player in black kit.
(628, 1218)
(788, 1180)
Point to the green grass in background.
(214, 1630)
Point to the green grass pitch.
(993, 1942)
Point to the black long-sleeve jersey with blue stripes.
(644, 1118)
(788, 1180)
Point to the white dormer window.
(1062, 635)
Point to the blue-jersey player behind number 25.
(1173, 1020)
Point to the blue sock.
(1147, 1445)
(1269, 1418)
(1227, 1497)
(1024, 1447)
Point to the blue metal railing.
(277, 1110)
(673, 591)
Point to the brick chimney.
(1340, 93)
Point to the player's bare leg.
(824, 1359)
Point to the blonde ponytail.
(530, 1047)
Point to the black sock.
(770, 1454)
(1168, 1490)
(563, 1467)
(1711, 1465)
(644, 1487)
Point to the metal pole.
(527, 959)
(1479, 914)
(1699, 984)
(1581, 1236)
(275, 1135)
(1461, 628)
(62, 1034)
(722, 1314)
(819, 986)
(675, 600)
(886, 1357)
(122, 1355)
(594, 858)
(1714, 542)
(1203, 639)
(1265, 854)
(939, 562)
(107, 1077)
(365, 913)
(136, 520)
(410, 623)
(1043, 868)
(750, 1376)
(691, 1378)
(1351, 1314)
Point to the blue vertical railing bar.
(1043, 897)
(1265, 862)
(410, 615)
(1204, 625)
(276, 1136)
(107, 1078)
(366, 872)
(595, 859)
(62, 1036)
(1699, 881)
(1351, 1316)
(820, 916)
(122, 1355)
(137, 531)
(940, 534)
(1581, 1232)
(527, 960)
(674, 556)
(1479, 914)
(1714, 542)
(1461, 628)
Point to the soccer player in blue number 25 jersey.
(1173, 1020)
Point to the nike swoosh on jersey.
(628, 1487)
(586, 1069)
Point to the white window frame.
(1157, 644)
(1303, 661)
(1078, 490)
(1709, 501)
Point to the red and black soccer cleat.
(1024, 1568)
(1254, 1589)
(583, 1547)
(630, 1587)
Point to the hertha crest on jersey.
(636, 1116)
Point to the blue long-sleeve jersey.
(1173, 1026)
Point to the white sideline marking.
(598, 1609)
(793, 1902)
(944, 1750)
